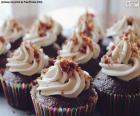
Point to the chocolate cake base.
(3, 60)
(51, 50)
(60, 40)
(116, 97)
(92, 67)
(16, 44)
(17, 88)
(103, 49)
(83, 105)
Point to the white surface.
(7, 110)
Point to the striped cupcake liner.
(119, 105)
(42, 110)
(1, 73)
(18, 94)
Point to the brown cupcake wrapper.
(119, 105)
(42, 110)
(18, 94)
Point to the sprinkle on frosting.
(64, 78)
(123, 57)
(44, 32)
(28, 59)
(80, 48)
(12, 30)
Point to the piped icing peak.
(4, 45)
(120, 26)
(64, 78)
(88, 25)
(80, 48)
(27, 60)
(123, 57)
(44, 32)
(12, 30)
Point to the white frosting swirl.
(12, 30)
(68, 83)
(44, 32)
(123, 58)
(80, 49)
(28, 59)
(88, 25)
(119, 27)
(4, 45)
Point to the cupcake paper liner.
(18, 94)
(119, 105)
(1, 73)
(42, 110)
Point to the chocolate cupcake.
(84, 51)
(23, 68)
(64, 89)
(13, 31)
(118, 81)
(120, 27)
(47, 34)
(88, 24)
(4, 47)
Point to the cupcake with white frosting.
(46, 33)
(64, 89)
(4, 48)
(89, 25)
(120, 27)
(82, 50)
(118, 81)
(23, 67)
(13, 31)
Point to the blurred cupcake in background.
(23, 68)
(13, 31)
(83, 50)
(120, 27)
(118, 82)
(47, 34)
(64, 89)
(89, 26)
(4, 48)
